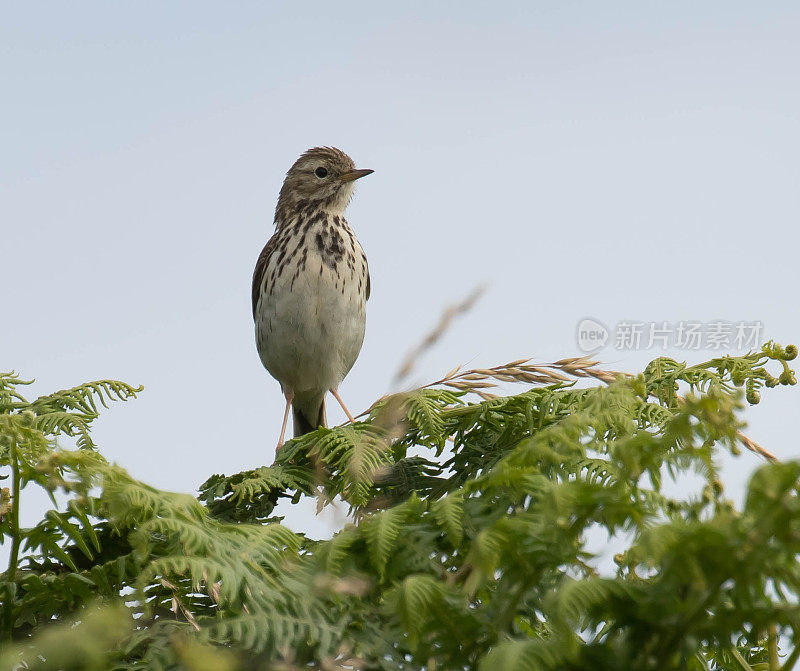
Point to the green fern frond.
(353, 457)
(83, 398)
(413, 601)
(71, 411)
(251, 496)
(29, 443)
(449, 513)
(381, 531)
(331, 555)
(10, 398)
(574, 600)
(261, 632)
(528, 654)
(424, 409)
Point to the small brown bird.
(310, 287)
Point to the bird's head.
(321, 177)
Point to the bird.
(311, 284)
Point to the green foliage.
(474, 541)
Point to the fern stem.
(772, 647)
(742, 661)
(11, 573)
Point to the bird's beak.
(354, 175)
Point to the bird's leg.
(289, 394)
(335, 393)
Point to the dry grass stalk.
(477, 380)
(753, 446)
(430, 340)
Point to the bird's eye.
(321, 172)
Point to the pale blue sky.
(586, 159)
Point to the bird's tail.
(308, 414)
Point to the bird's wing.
(261, 269)
(368, 284)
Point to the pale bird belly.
(309, 334)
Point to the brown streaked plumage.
(310, 287)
